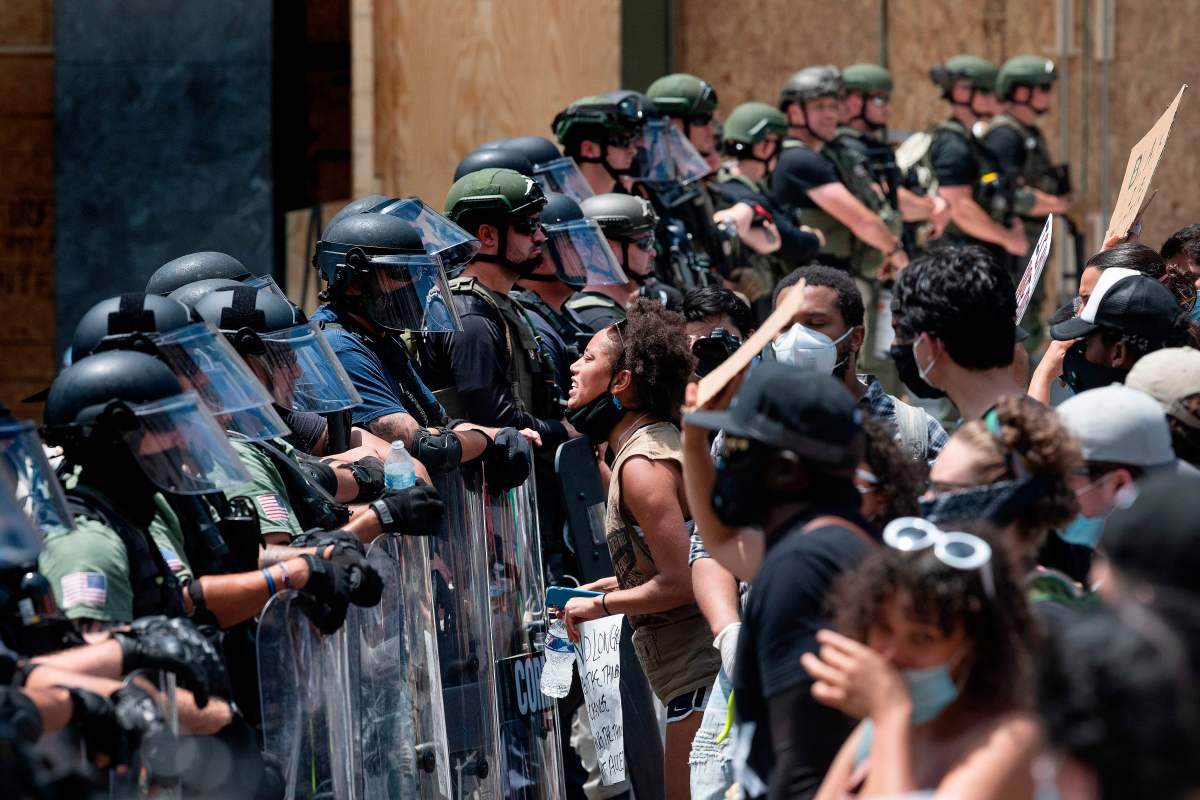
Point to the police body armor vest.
(768, 267)
(582, 302)
(993, 192)
(840, 242)
(1039, 171)
(525, 365)
(313, 508)
(155, 588)
(564, 325)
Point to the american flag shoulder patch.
(84, 588)
(273, 507)
(173, 562)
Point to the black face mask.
(997, 503)
(739, 497)
(906, 367)
(597, 418)
(1081, 374)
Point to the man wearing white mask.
(956, 306)
(826, 336)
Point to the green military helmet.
(751, 123)
(1025, 70)
(492, 195)
(810, 83)
(867, 78)
(606, 112)
(683, 95)
(979, 71)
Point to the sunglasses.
(526, 226)
(879, 99)
(700, 119)
(620, 139)
(646, 244)
(955, 549)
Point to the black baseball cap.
(789, 408)
(1155, 538)
(1127, 301)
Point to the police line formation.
(254, 554)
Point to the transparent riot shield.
(459, 571)
(530, 749)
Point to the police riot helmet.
(749, 124)
(130, 397)
(980, 72)
(1024, 70)
(621, 216)
(538, 149)
(684, 96)
(122, 323)
(191, 293)
(614, 118)
(356, 206)
(242, 310)
(365, 232)
(867, 78)
(492, 196)
(576, 246)
(824, 80)
(495, 157)
(193, 267)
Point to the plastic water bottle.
(398, 470)
(560, 661)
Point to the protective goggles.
(35, 484)
(647, 243)
(955, 549)
(205, 363)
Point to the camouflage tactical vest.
(992, 191)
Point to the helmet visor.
(441, 237)
(20, 541)
(268, 283)
(407, 292)
(302, 373)
(562, 175)
(582, 255)
(668, 156)
(206, 363)
(36, 487)
(181, 448)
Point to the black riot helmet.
(625, 219)
(576, 246)
(191, 293)
(560, 209)
(538, 149)
(554, 171)
(122, 323)
(80, 393)
(500, 157)
(194, 267)
(347, 242)
(356, 206)
(243, 312)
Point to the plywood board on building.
(27, 22)
(449, 76)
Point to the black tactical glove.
(343, 579)
(439, 452)
(120, 725)
(507, 462)
(143, 729)
(368, 474)
(342, 542)
(177, 646)
(95, 720)
(414, 511)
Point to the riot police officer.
(980, 196)
(628, 224)
(205, 265)
(554, 171)
(493, 371)
(689, 102)
(601, 133)
(1025, 84)
(380, 283)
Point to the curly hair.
(901, 479)
(999, 626)
(653, 347)
(1033, 440)
(963, 297)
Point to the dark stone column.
(164, 141)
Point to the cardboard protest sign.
(1033, 270)
(1139, 171)
(712, 383)
(598, 657)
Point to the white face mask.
(808, 349)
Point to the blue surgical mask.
(1083, 530)
(931, 690)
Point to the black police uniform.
(594, 310)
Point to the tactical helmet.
(979, 71)
(191, 293)
(867, 78)
(367, 234)
(559, 209)
(356, 206)
(122, 322)
(492, 195)
(576, 246)
(598, 115)
(193, 267)
(620, 216)
(243, 309)
(810, 83)
(1024, 70)
(82, 390)
(494, 158)
(751, 123)
(538, 149)
(683, 95)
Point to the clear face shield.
(268, 283)
(441, 237)
(206, 363)
(35, 485)
(410, 292)
(562, 175)
(668, 156)
(180, 447)
(20, 541)
(581, 254)
(301, 372)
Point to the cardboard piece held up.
(1139, 171)
(1033, 271)
(598, 656)
(712, 383)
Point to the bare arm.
(100, 660)
(236, 598)
(1048, 370)
(914, 207)
(836, 200)
(391, 427)
(716, 593)
(1000, 767)
(968, 215)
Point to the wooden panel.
(449, 76)
(26, 202)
